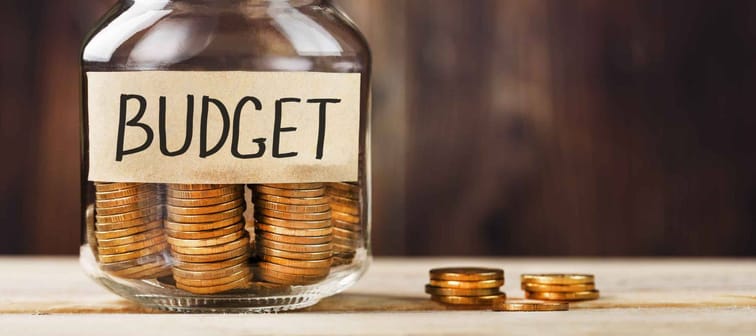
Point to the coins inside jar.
(346, 211)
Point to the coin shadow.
(363, 302)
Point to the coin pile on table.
(293, 233)
(129, 230)
(205, 230)
(347, 228)
(466, 286)
(559, 287)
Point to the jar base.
(157, 295)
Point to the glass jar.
(225, 153)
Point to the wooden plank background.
(511, 127)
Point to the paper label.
(223, 127)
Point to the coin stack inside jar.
(293, 233)
(346, 214)
(559, 287)
(466, 286)
(129, 230)
(205, 231)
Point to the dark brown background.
(513, 127)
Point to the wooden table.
(649, 296)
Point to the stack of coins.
(559, 287)
(129, 230)
(466, 286)
(205, 229)
(293, 233)
(347, 228)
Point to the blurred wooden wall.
(514, 127)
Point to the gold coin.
(468, 300)
(342, 193)
(218, 216)
(210, 266)
(562, 296)
(265, 251)
(461, 291)
(352, 188)
(215, 249)
(129, 223)
(114, 202)
(295, 232)
(130, 239)
(209, 258)
(127, 231)
(195, 187)
(229, 189)
(157, 258)
(152, 273)
(347, 242)
(173, 226)
(205, 210)
(293, 239)
(127, 216)
(310, 216)
(336, 207)
(267, 266)
(137, 268)
(296, 186)
(147, 202)
(341, 233)
(346, 226)
(558, 279)
(205, 234)
(355, 204)
(243, 273)
(240, 283)
(131, 247)
(291, 200)
(466, 273)
(293, 224)
(529, 305)
(467, 284)
(205, 242)
(294, 247)
(536, 287)
(290, 207)
(202, 202)
(133, 254)
(298, 193)
(322, 263)
(345, 217)
(120, 193)
(288, 279)
(112, 186)
(212, 274)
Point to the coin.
(240, 283)
(288, 279)
(302, 240)
(295, 186)
(205, 242)
(131, 246)
(127, 216)
(203, 226)
(120, 193)
(210, 274)
(158, 258)
(348, 234)
(195, 187)
(467, 284)
(130, 239)
(215, 249)
(351, 203)
(306, 216)
(322, 263)
(345, 209)
(557, 279)
(342, 193)
(345, 217)
(346, 226)
(209, 193)
(466, 273)
(147, 202)
(138, 268)
(354, 189)
(298, 193)
(243, 273)
(461, 291)
(209, 209)
(292, 270)
(295, 232)
(114, 202)
(563, 296)
(218, 216)
(291, 200)
(211, 266)
(468, 300)
(133, 254)
(529, 305)
(208, 258)
(201, 202)
(293, 224)
(205, 234)
(291, 207)
(265, 251)
(111, 186)
(127, 231)
(295, 247)
(346, 242)
(536, 287)
(152, 273)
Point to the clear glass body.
(135, 242)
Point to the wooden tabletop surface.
(47, 295)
